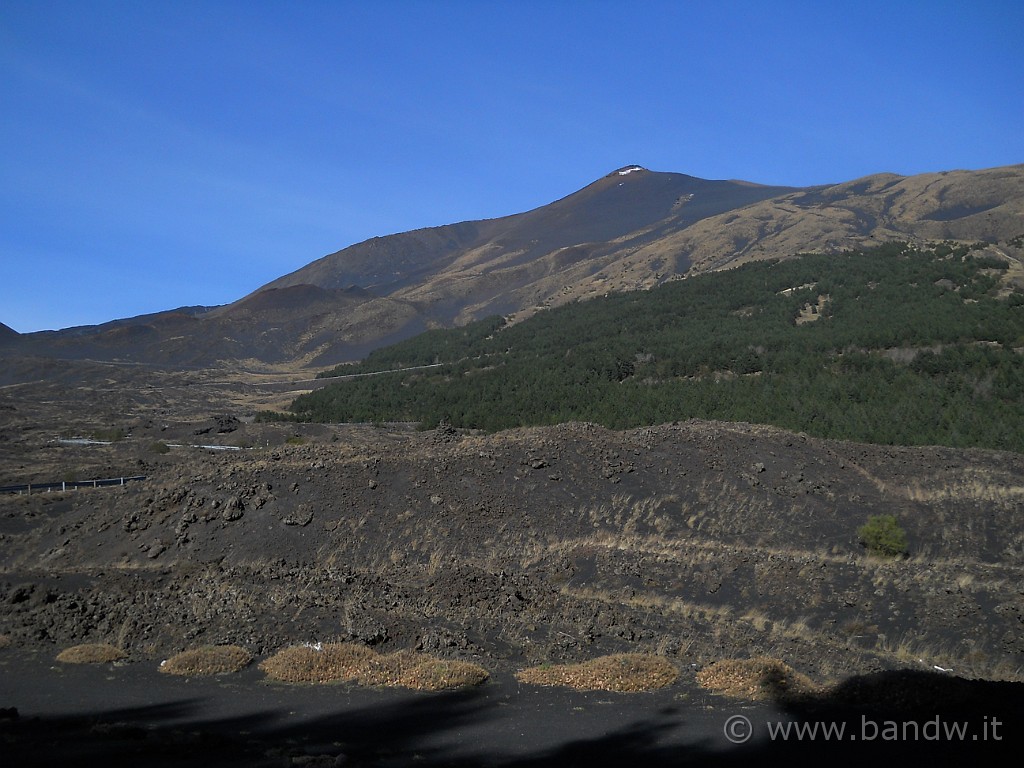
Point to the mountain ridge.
(589, 215)
(630, 229)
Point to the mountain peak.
(627, 169)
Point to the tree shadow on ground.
(894, 717)
(889, 717)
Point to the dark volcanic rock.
(651, 540)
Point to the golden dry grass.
(388, 670)
(91, 653)
(434, 674)
(207, 660)
(624, 672)
(760, 678)
(348, 662)
(326, 663)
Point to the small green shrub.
(882, 535)
(159, 447)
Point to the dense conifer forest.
(893, 345)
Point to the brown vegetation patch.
(388, 670)
(5, 642)
(433, 674)
(343, 662)
(91, 653)
(760, 678)
(207, 660)
(811, 312)
(319, 663)
(626, 672)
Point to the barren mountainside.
(629, 230)
(693, 540)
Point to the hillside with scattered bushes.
(894, 345)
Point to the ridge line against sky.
(167, 154)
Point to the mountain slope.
(967, 206)
(627, 202)
(461, 272)
(631, 229)
(894, 345)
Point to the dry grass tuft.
(388, 670)
(91, 653)
(433, 674)
(326, 663)
(625, 672)
(5, 642)
(761, 678)
(207, 660)
(344, 662)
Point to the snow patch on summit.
(629, 169)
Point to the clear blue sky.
(160, 154)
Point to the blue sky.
(163, 154)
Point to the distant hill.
(632, 229)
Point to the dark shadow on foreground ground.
(889, 718)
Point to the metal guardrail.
(68, 485)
